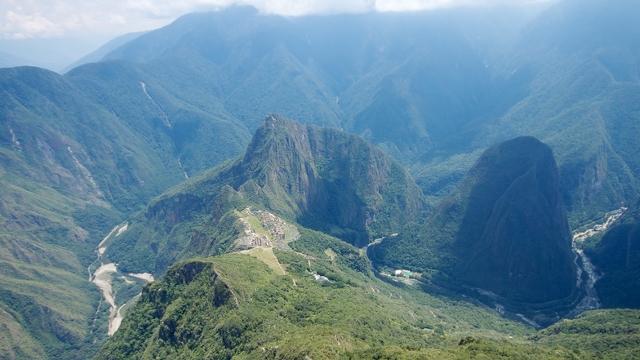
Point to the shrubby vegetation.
(234, 306)
(597, 334)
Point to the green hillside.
(235, 306)
(187, 137)
(597, 334)
(72, 168)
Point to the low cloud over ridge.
(20, 19)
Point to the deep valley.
(451, 183)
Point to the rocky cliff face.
(328, 180)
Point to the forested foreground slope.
(234, 306)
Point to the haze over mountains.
(82, 152)
(449, 94)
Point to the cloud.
(46, 18)
(307, 7)
(411, 5)
(19, 26)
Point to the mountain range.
(444, 94)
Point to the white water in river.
(102, 278)
(591, 300)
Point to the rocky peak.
(328, 179)
(515, 234)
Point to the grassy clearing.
(265, 254)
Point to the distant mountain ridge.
(103, 50)
(433, 102)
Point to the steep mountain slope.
(360, 72)
(615, 255)
(63, 160)
(321, 178)
(595, 99)
(72, 168)
(234, 305)
(53, 127)
(187, 137)
(504, 230)
(254, 64)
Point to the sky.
(24, 19)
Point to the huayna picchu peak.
(319, 178)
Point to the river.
(591, 300)
(103, 278)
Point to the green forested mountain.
(574, 68)
(433, 101)
(504, 230)
(320, 178)
(275, 304)
(72, 166)
(81, 152)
